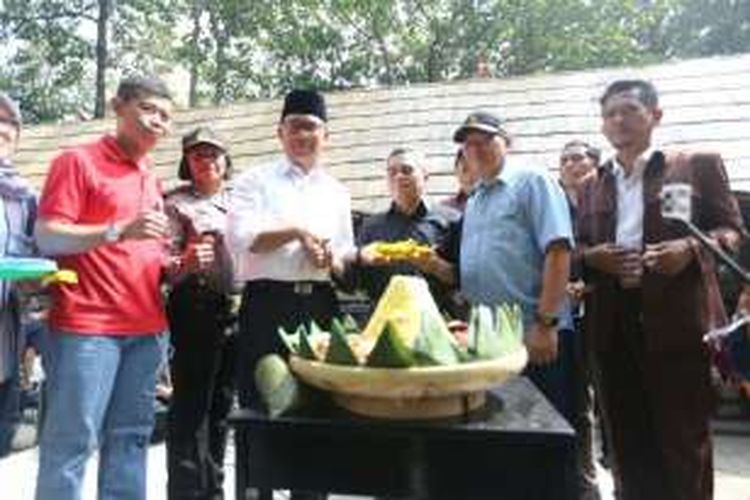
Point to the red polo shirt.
(118, 284)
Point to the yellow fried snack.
(400, 250)
(65, 276)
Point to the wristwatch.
(547, 320)
(112, 234)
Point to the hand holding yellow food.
(407, 330)
(395, 251)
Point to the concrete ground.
(17, 473)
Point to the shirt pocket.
(505, 219)
(103, 204)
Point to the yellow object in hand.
(400, 250)
(65, 276)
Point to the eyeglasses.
(478, 141)
(205, 153)
(402, 169)
(10, 121)
(296, 125)
(574, 157)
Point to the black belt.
(291, 287)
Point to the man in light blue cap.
(515, 248)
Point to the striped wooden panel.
(706, 102)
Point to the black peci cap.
(305, 102)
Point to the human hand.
(370, 256)
(743, 302)
(607, 258)
(577, 290)
(318, 250)
(616, 260)
(427, 261)
(199, 255)
(541, 343)
(148, 224)
(668, 257)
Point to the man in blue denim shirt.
(515, 248)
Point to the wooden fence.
(706, 105)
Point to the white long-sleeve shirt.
(279, 195)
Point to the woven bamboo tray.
(410, 393)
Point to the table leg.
(240, 460)
(418, 471)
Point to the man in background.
(17, 213)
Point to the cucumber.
(278, 388)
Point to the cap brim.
(308, 116)
(213, 142)
(460, 134)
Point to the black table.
(517, 447)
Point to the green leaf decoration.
(291, 340)
(350, 324)
(390, 351)
(305, 349)
(487, 341)
(434, 344)
(339, 351)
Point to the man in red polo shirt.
(101, 215)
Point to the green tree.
(65, 52)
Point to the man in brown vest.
(654, 295)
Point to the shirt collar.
(639, 167)
(114, 153)
(294, 171)
(419, 213)
(502, 177)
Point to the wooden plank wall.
(706, 104)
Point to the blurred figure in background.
(467, 176)
(578, 163)
(17, 213)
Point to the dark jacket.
(678, 309)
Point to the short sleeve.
(343, 243)
(246, 218)
(64, 189)
(549, 212)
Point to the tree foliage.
(239, 49)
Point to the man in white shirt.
(289, 224)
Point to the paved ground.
(17, 473)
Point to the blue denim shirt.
(508, 224)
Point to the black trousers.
(266, 306)
(203, 368)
